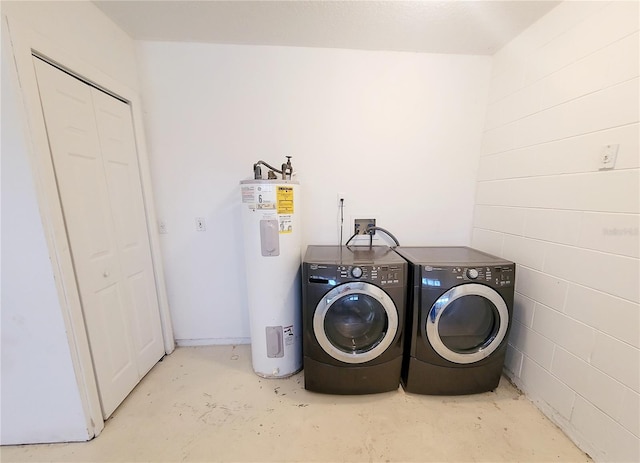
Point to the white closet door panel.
(75, 150)
(119, 358)
(143, 303)
(115, 130)
(82, 184)
(72, 133)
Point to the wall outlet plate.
(360, 226)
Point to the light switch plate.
(162, 227)
(608, 157)
(201, 224)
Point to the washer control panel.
(497, 276)
(383, 275)
(472, 273)
(357, 272)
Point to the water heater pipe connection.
(286, 171)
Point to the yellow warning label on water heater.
(285, 200)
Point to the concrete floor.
(206, 404)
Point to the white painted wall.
(41, 401)
(83, 31)
(561, 91)
(40, 397)
(398, 133)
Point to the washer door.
(355, 322)
(467, 323)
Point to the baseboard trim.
(211, 342)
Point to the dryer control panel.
(498, 276)
(382, 275)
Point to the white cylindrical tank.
(272, 241)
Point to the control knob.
(356, 272)
(472, 273)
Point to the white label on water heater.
(289, 338)
(265, 197)
(259, 197)
(286, 223)
(248, 194)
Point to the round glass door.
(355, 322)
(467, 323)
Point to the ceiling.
(461, 27)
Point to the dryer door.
(467, 323)
(355, 322)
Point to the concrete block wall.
(560, 92)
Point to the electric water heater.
(272, 241)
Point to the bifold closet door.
(95, 161)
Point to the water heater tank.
(272, 242)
